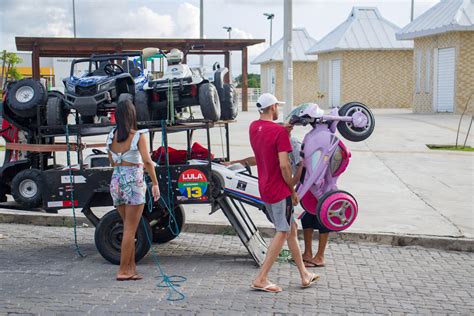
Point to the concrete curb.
(436, 242)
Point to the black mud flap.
(244, 226)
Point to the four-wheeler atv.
(189, 88)
(96, 91)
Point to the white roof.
(364, 29)
(446, 16)
(301, 41)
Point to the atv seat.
(133, 70)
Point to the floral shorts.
(128, 185)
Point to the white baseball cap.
(266, 100)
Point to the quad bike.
(96, 85)
(189, 88)
(326, 157)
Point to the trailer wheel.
(24, 96)
(209, 102)
(162, 232)
(27, 187)
(108, 237)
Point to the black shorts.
(311, 221)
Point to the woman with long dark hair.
(128, 153)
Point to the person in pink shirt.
(271, 144)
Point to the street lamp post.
(270, 17)
(74, 17)
(228, 29)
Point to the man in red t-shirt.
(271, 144)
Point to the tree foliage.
(252, 79)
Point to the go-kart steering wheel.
(113, 69)
(98, 151)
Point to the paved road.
(40, 273)
(402, 187)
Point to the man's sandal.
(272, 288)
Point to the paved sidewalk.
(402, 187)
(41, 274)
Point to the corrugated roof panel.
(446, 16)
(301, 42)
(364, 29)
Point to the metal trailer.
(180, 184)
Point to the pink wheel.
(337, 210)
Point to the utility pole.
(74, 17)
(412, 10)
(287, 58)
(270, 17)
(229, 30)
(201, 30)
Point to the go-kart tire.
(331, 198)
(347, 130)
(55, 94)
(87, 119)
(108, 237)
(56, 114)
(26, 188)
(229, 106)
(125, 96)
(162, 232)
(209, 102)
(24, 96)
(217, 184)
(141, 106)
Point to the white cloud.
(144, 22)
(187, 19)
(253, 50)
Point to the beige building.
(443, 62)
(361, 60)
(305, 88)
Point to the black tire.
(229, 106)
(108, 237)
(217, 185)
(55, 94)
(3, 192)
(162, 232)
(87, 119)
(323, 198)
(27, 187)
(125, 96)
(24, 96)
(56, 114)
(209, 102)
(350, 132)
(142, 106)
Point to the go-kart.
(189, 87)
(326, 157)
(96, 85)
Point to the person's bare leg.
(261, 280)
(296, 254)
(133, 215)
(308, 244)
(323, 241)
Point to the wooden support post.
(227, 64)
(35, 63)
(244, 80)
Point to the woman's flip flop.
(134, 277)
(314, 279)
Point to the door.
(445, 80)
(335, 82)
(271, 80)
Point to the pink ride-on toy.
(326, 157)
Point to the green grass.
(450, 147)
